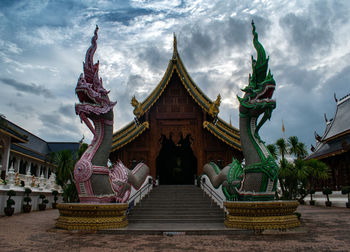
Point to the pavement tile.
(322, 229)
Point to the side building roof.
(27, 144)
(222, 130)
(336, 137)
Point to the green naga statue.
(256, 180)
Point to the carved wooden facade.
(175, 112)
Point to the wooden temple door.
(176, 162)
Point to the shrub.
(10, 202)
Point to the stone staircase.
(176, 204)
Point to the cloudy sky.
(43, 45)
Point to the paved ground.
(323, 229)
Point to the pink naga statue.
(95, 181)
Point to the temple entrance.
(176, 163)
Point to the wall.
(19, 199)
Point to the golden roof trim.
(223, 136)
(129, 137)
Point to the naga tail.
(230, 177)
(121, 179)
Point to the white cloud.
(45, 43)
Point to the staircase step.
(176, 204)
(155, 221)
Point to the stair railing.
(138, 195)
(211, 192)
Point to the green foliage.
(11, 193)
(327, 191)
(297, 177)
(55, 193)
(65, 161)
(10, 202)
(27, 191)
(82, 149)
(273, 150)
(45, 201)
(27, 199)
(42, 197)
(345, 189)
(296, 148)
(70, 193)
(312, 191)
(282, 147)
(65, 166)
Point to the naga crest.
(258, 93)
(93, 97)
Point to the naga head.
(93, 97)
(257, 98)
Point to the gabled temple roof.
(221, 129)
(336, 138)
(340, 125)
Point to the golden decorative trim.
(77, 216)
(34, 158)
(261, 215)
(152, 97)
(222, 136)
(197, 93)
(228, 127)
(119, 143)
(261, 223)
(138, 111)
(12, 135)
(214, 107)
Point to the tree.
(65, 161)
(296, 148)
(317, 171)
(82, 149)
(65, 164)
(282, 147)
(273, 150)
(296, 178)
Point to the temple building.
(27, 154)
(176, 130)
(333, 146)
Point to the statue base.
(261, 215)
(81, 216)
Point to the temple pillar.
(46, 172)
(6, 144)
(18, 164)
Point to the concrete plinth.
(261, 215)
(79, 216)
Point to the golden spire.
(283, 130)
(174, 47)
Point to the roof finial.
(174, 47)
(335, 97)
(325, 118)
